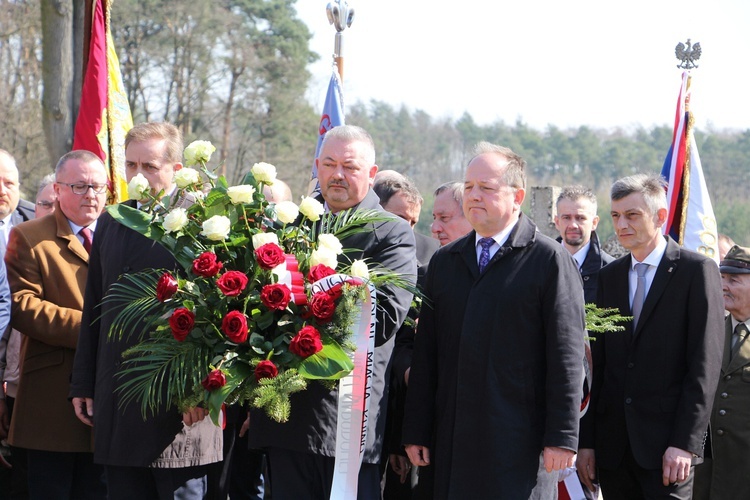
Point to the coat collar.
(522, 235)
(742, 358)
(64, 232)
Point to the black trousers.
(630, 481)
(150, 483)
(305, 476)
(64, 476)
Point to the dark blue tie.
(484, 257)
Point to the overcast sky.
(582, 62)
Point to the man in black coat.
(654, 382)
(168, 454)
(301, 452)
(495, 382)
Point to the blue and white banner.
(332, 116)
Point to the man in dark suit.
(496, 375)
(301, 452)
(169, 453)
(725, 471)
(576, 220)
(654, 382)
(13, 211)
(47, 263)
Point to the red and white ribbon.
(354, 394)
(289, 275)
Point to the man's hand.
(194, 415)
(400, 465)
(675, 465)
(557, 458)
(419, 455)
(245, 426)
(586, 467)
(84, 408)
(4, 420)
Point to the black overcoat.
(311, 426)
(496, 373)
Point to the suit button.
(631, 365)
(724, 395)
(628, 401)
(126, 269)
(585, 278)
(720, 432)
(728, 377)
(722, 412)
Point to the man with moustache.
(726, 468)
(653, 384)
(495, 382)
(448, 220)
(168, 454)
(301, 452)
(47, 261)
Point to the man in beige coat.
(724, 474)
(47, 262)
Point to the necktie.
(87, 238)
(740, 333)
(640, 292)
(484, 257)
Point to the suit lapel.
(64, 232)
(664, 273)
(469, 253)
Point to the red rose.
(319, 272)
(207, 265)
(265, 369)
(181, 322)
(214, 380)
(322, 306)
(306, 342)
(269, 255)
(166, 287)
(234, 326)
(232, 283)
(335, 291)
(276, 296)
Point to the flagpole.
(340, 15)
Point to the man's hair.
(78, 154)
(46, 181)
(575, 193)
(386, 186)
(651, 186)
(515, 173)
(158, 130)
(351, 133)
(9, 157)
(456, 189)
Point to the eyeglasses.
(81, 189)
(45, 203)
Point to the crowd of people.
(490, 387)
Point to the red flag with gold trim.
(104, 115)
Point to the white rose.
(216, 228)
(137, 187)
(241, 194)
(311, 208)
(198, 152)
(186, 177)
(323, 256)
(359, 269)
(264, 172)
(331, 243)
(287, 211)
(175, 220)
(260, 239)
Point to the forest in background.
(235, 72)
